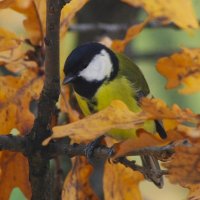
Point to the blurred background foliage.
(145, 50)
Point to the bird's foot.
(89, 149)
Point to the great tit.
(99, 75)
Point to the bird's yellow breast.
(120, 89)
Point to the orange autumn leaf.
(144, 139)
(194, 193)
(132, 32)
(14, 173)
(158, 109)
(15, 97)
(8, 40)
(117, 115)
(15, 60)
(65, 105)
(76, 185)
(68, 13)
(184, 165)
(120, 182)
(180, 12)
(34, 12)
(5, 3)
(182, 67)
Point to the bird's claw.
(89, 149)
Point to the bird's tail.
(151, 164)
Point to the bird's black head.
(88, 66)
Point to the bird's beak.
(68, 79)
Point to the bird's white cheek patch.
(99, 68)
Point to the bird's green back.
(124, 87)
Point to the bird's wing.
(131, 71)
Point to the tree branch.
(38, 164)
(63, 147)
(13, 143)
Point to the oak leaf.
(68, 13)
(117, 115)
(14, 173)
(184, 166)
(194, 193)
(158, 109)
(34, 11)
(15, 97)
(76, 185)
(132, 32)
(182, 67)
(144, 139)
(5, 3)
(8, 40)
(121, 182)
(64, 102)
(179, 12)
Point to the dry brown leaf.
(76, 185)
(192, 132)
(144, 139)
(117, 115)
(65, 105)
(5, 3)
(180, 12)
(34, 16)
(14, 173)
(15, 59)
(194, 193)
(184, 167)
(182, 67)
(68, 13)
(132, 32)
(8, 40)
(159, 110)
(121, 182)
(15, 97)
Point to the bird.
(98, 76)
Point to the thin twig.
(112, 27)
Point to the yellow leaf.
(68, 13)
(180, 12)
(158, 109)
(133, 31)
(121, 182)
(76, 185)
(117, 115)
(182, 67)
(34, 22)
(15, 96)
(8, 40)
